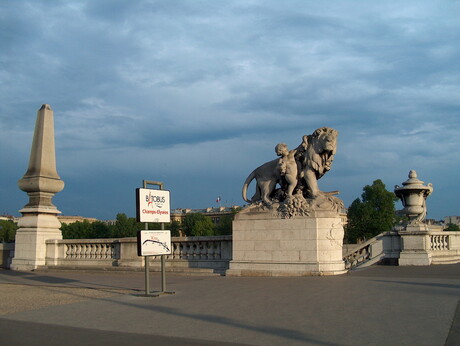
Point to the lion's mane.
(321, 150)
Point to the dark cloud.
(198, 94)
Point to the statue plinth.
(266, 245)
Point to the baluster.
(176, 250)
(182, 251)
(211, 250)
(108, 251)
(104, 251)
(97, 251)
(446, 242)
(217, 250)
(190, 250)
(68, 251)
(203, 249)
(196, 250)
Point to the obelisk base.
(30, 245)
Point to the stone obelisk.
(39, 220)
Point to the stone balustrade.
(444, 247)
(439, 242)
(385, 246)
(216, 252)
(187, 252)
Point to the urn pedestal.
(415, 238)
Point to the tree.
(75, 230)
(86, 230)
(7, 231)
(372, 215)
(126, 227)
(451, 227)
(225, 226)
(174, 227)
(196, 224)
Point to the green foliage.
(7, 231)
(196, 224)
(123, 227)
(174, 227)
(86, 230)
(451, 227)
(225, 225)
(126, 227)
(372, 215)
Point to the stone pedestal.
(266, 245)
(415, 241)
(34, 230)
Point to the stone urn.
(413, 196)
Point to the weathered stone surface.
(41, 181)
(287, 187)
(265, 245)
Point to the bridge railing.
(193, 252)
(444, 247)
(385, 245)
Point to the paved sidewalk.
(380, 305)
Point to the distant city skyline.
(197, 95)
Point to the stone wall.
(6, 254)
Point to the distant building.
(433, 222)
(72, 219)
(214, 213)
(455, 220)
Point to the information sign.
(153, 243)
(153, 205)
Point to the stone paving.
(380, 305)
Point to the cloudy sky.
(197, 94)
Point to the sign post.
(153, 205)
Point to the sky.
(196, 94)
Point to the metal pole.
(147, 279)
(163, 267)
(147, 266)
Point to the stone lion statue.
(317, 159)
(296, 172)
